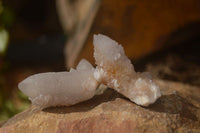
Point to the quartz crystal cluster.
(114, 70)
(61, 88)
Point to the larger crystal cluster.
(114, 70)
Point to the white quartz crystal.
(61, 88)
(115, 70)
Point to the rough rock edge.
(175, 111)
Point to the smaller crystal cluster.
(61, 88)
(114, 70)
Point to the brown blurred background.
(162, 37)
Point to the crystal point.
(117, 72)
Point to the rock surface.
(178, 110)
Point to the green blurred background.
(25, 24)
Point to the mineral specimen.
(61, 88)
(114, 69)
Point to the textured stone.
(176, 111)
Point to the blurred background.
(162, 37)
